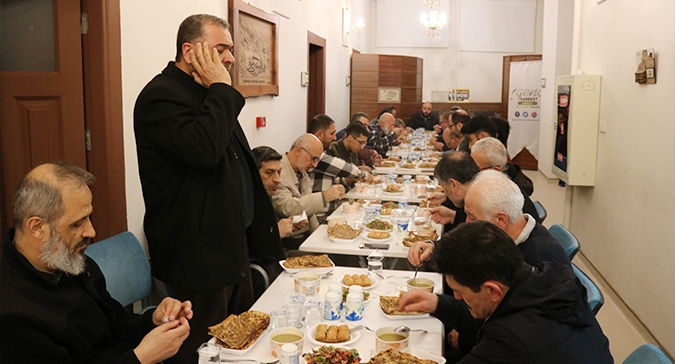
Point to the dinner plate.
(391, 236)
(319, 270)
(354, 336)
(235, 351)
(423, 354)
(406, 317)
(373, 282)
(383, 170)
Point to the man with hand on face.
(207, 211)
(269, 166)
(55, 306)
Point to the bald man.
(55, 306)
(294, 194)
(381, 136)
(424, 118)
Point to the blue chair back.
(541, 211)
(566, 239)
(647, 354)
(593, 295)
(125, 267)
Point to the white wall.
(481, 72)
(148, 42)
(625, 223)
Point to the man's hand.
(439, 146)
(436, 198)
(377, 158)
(420, 252)
(285, 227)
(418, 300)
(438, 129)
(364, 167)
(170, 310)
(163, 341)
(300, 225)
(208, 68)
(442, 215)
(334, 192)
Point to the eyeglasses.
(361, 142)
(488, 167)
(315, 159)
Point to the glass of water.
(294, 309)
(314, 312)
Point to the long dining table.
(373, 318)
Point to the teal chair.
(566, 239)
(593, 295)
(541, 211)
(125, 267)
(647, 354)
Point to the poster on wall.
(524, 105)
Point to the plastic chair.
(647, 354)
(566, 239)
(593, 295)
(541, 211)
(125, 267)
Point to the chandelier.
(433, 22)
(431, 3)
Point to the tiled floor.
(624, 331)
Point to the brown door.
(316, 90)
(41, 97)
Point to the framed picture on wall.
(255, 36)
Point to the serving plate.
(235, 351)
(343, 241)
(354, 336)
(319, 270)
(373, 282)
(423, 354)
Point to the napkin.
(299, 218)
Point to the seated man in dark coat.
(532, 314)
(425, 118)
(55, 306)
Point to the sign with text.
(389, 94)
(524, 107)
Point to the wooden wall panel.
(390, 78)
(364, 79)
(369, 72)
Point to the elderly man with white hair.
(490, 153)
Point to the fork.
(248, 360)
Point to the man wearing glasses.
(294, 195)
(347, 148)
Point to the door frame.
(316, 90)
(102, 77)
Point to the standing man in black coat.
(206, 207)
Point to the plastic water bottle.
(375, 263)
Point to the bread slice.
(239, 332)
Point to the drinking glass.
(278, 319)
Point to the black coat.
(47, 318)
(189, 146)
(417, 120)
(544, 318)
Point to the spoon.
(404, 330)
(417, 266)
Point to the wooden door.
(316, 90)
(41, 96)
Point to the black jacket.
(543, 318)
(417, 120)
(57, 318)
(190, 149)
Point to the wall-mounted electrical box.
(576, 136)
